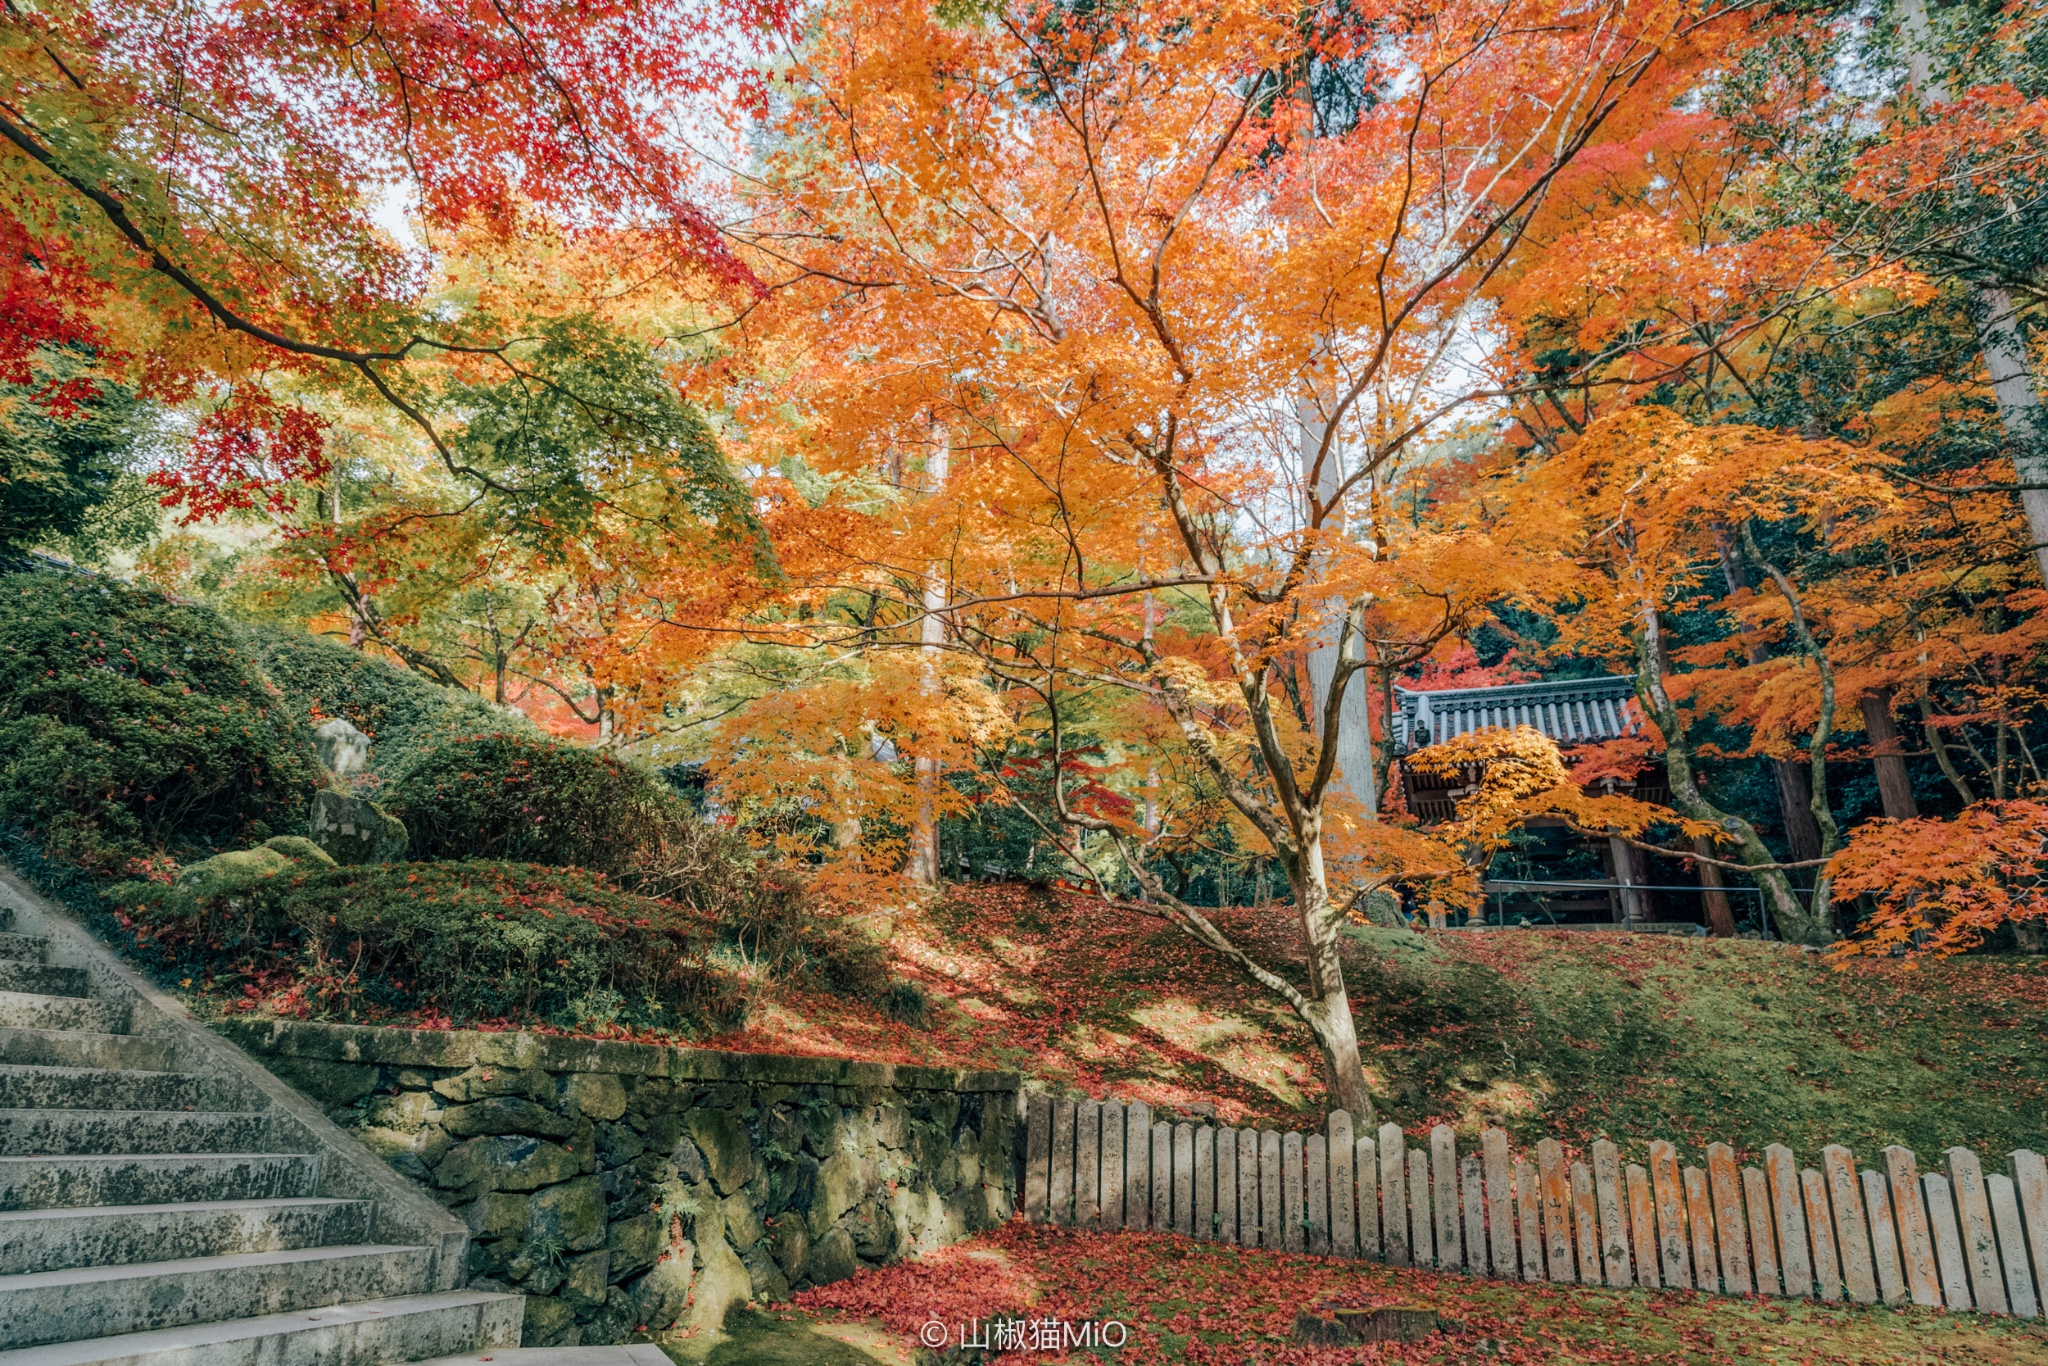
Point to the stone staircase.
(164, 1202)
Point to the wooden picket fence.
(1955, 1238)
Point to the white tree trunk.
(922, 867)
(1354, 726)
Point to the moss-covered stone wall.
(630, 1189)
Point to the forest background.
(1038, 438)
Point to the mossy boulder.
(225, 872)
(356, 829)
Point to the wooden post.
(1699, 1209)
(1061, 1187)
(1586, 1223)
(1671, 1226)
(1500, 1203)
(1528, 1214)
(1138, 1165)
(1365, 1161)
(1763, 1241)
(1980, 1241)
(1948, 1242)
(1720, 918)
(1884, 1238)
(1642, 1219)
(1887, 756)
(1205, 1182)
(2012, 1245)
(1731, 1228)
(1421, 1227)
(1250, 1227)
(1394, 1193)
(1037, 1154)
(1315, 1189)
(1614, 1258)
(1226, 1185)
(1557, 1210)
(1820, 1228)
(1290, 1193)
(1795, 1254)
(1443, 1171)
(1633, 910)
(1852, 1228)
(2030, 1183)
(1184, 1179)
(1162, 1177)
(1087, 1164)
(1472, 1187)
(1916, 1240)
(1271, 1232)
(1343, 1186)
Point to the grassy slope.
(1548, 1032)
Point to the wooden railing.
(1957, 1238)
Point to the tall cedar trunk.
(1894, 785)
(921, 868)
(1795, 796)
(1720, 919)
(1329, 1003)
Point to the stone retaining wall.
(634, 1188)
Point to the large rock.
(343, 749)
(226, 872)
(507, 1163)
(839, 1190)
(599, 1095)
(547, 1322)
(832, 1258)
(633, 1243)
(661, 1296)
(728, 1152)
(569, 1216)
(356, 829)
(504, 1115)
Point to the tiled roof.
(1570, 711)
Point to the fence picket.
(1820, 1232)
(1884, 1238)
(1270, 1231)
(1671, 1229)
(1731, 1228)
(1916, 1240)
(1060, 1189)
(1948, 1242)
(1557, 1210)
(1290, 1193)
(1472, 1190)
(1421, 1227)
(1087, 1164)
(1795, 1255)
(1162, 1177)
(1443, 1179)
(2012, 1245)
(1112, 1211)
(1980, 1247)
(1205, 1182)
(1642, 1219)
(1226, 1185)
(2030, 1182)
(1586, 1223)
(1614, 1258)
(1315, 1189)
(1852, 1229)
(1699, 1214)
(1763, 1242)
(1183, 1179)
(1365, 1162)
(1037, 1154)
(1394, 1192)
(1248, 1229)
(1528, 1213)
(1500, 1204)
(1343, 1186)
(1138, 1165)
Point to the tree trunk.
(1355, 773)
(1328, 1014)
(1720, 920)
(1795, 804)
(1894, 785)
(921, 869)
(1632, 908)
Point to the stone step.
(97, 1088)
(30, 1010)
(370, 1333)
(66, 1133)
(49, 1306)
(630, 1354)
(24, 948)
(42, 979)
(82, 1047)
(153, 1179)
(53, 1239)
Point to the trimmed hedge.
(469, 942)
(132, 724)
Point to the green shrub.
(529, 799)
(463, 943)
(403, 714)
(132, 724)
